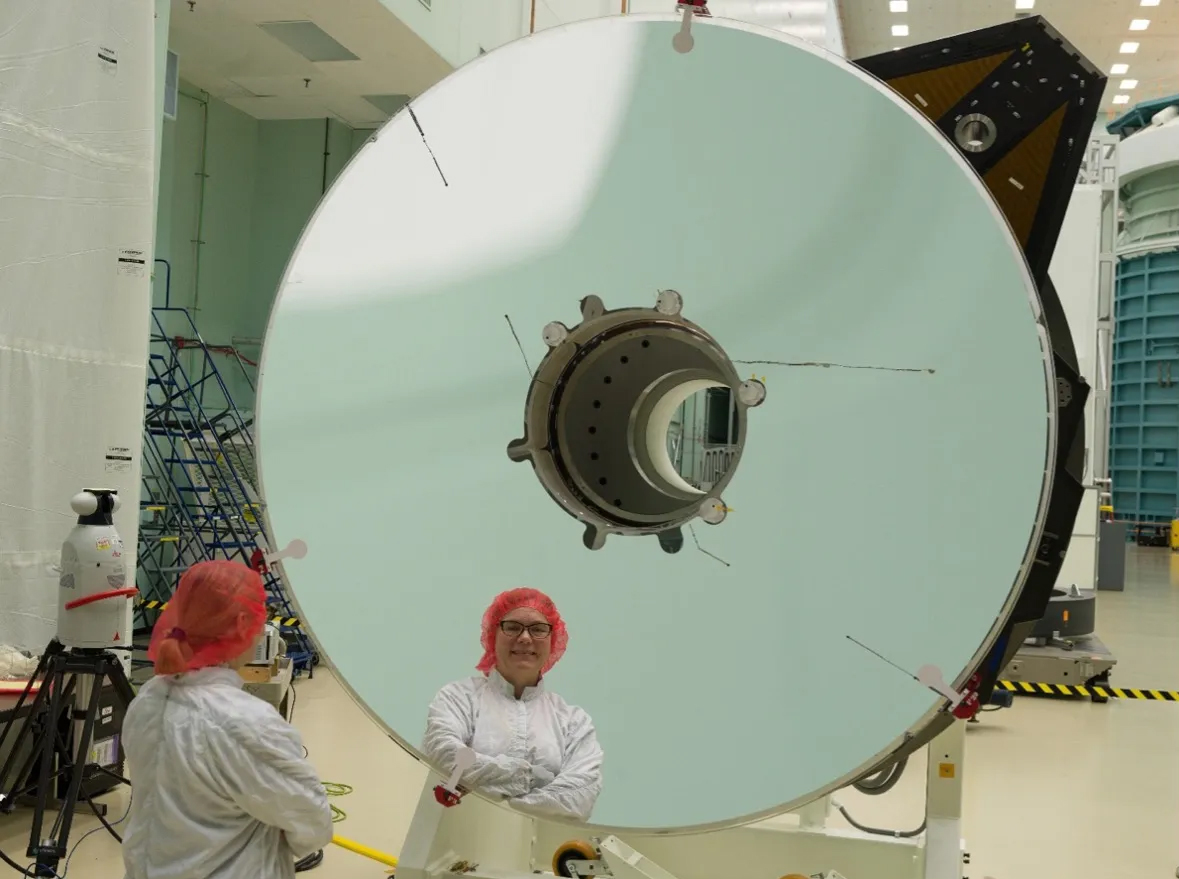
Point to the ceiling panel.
(313, 87)
(224, 51)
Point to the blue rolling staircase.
(199, 496)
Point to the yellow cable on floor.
(337, 790)
(342, 790)
(363, 850)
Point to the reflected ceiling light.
(898, 5)
(1128, 48)
(1025, 4)
(1129, 84)
(1140, 24)
(1119, 69)
(792, 8)
(900, 30)
(806, 31)
(1121, 99)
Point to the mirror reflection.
(702, 437)
(531, 747)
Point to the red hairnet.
(514, 599)
(218, 610)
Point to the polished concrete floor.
(1053, 790)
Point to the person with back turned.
(531, 746)
(221, 789)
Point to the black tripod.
(54, 768)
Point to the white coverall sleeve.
(450, 725)
(267, 776)
(574, 791)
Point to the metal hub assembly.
(598, 412)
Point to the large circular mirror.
(823, 455)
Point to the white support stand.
(945, 849)
(478, 839)
(626, 863)
(444, 842)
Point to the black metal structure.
(1019, 103)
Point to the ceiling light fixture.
(1121, 99)
(1128, 84)
(1025, 4)
(1140, 24)
(898, 5)
(900, 30)
(1128, 48)
(1119, 69)
(1149, 3)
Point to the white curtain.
(77, 145)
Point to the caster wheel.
(1102, 682)
(574, 850)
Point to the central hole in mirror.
(634, 421)
(703, 437)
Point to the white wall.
(1074, 272)
(458, 29)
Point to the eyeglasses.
(537, 631)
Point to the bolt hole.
(624, 359)
(593, 456)
(593, 430)
(617, 503)
(975, 133)
(607, 380)
(646, 343)
(597, 404)
(602, 481)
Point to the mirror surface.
(825, 239)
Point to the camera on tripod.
(74, 669)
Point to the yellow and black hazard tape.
(281, 622)
(1068, 691)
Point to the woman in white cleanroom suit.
(220, 785)
(531, 746)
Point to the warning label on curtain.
(132, 262)
(108, 60)
(118, 459)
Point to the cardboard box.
(258, 674)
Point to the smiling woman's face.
(520, 655)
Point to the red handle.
(126, 592)
(446, 797)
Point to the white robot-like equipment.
(74, 670)
(93, 589)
